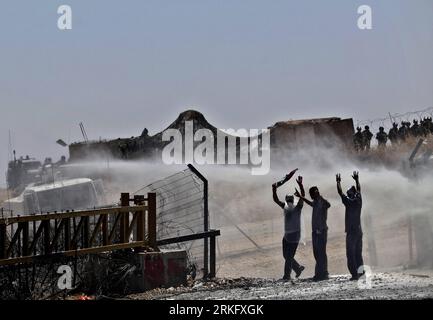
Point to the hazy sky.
(127, 65)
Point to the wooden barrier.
(97, 231)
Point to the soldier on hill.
(415, 129)
(367, 136)
(393, 134)
(381, 137)
(429, 125)
(403, 132)
(358, 140)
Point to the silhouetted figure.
(381, 137)
(353, 203)
(358, 140)
(319, 231)
(415, 129)
(123, 148)
(403, 132)
(62, 161)
(145, 133)
(424, 128)
(429, 125)
(393, 134)
(292, 226)
(367, 135)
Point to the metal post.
(151, 220)
(206, 228)
(124, 202)
(212, 272)
(205, 219)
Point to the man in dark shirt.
(319, 231)
(292, 226)
(353, 203)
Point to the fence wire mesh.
(180, 212)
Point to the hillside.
(284, 135)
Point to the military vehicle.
(66, 194)
(25, 170)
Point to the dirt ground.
(254, 250)
(249, 264)
(383, 286)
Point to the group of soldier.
(396, 135)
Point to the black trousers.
(354, 252)
(289, 250)
(319, 251)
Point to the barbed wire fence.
(180, 212)
(387, 121)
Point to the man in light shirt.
(292, 226)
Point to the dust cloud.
(241, 204)
(238, 198)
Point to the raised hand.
(338, 177)
(355, 175)
(291, 174)
(299, 180)
(294, 171)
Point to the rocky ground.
(392, 285)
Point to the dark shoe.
(354, 278)
(321, 278)
(285, 279)
(298, 273)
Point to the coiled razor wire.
(387, 122)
